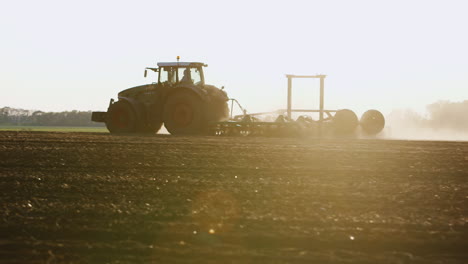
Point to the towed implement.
(182, 101)
(342, 122)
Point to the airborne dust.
(443, 120)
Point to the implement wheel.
(121, 118)
(345, 122)
(183, 114)
(372, 122)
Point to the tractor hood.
(134, 90)
(208, 92)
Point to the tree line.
(22, 117)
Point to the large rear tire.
(183, 114)
(121, 118)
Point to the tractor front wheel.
(183, 114)
(121, 118)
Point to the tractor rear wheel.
(121, 118)
(183, 114)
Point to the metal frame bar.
(289, 109)
(244, 112)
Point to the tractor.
(180, 100)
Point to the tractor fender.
(202, 94)
(138, 108)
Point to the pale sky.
(67, 55)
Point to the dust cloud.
(443, 120)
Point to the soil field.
(97, 198)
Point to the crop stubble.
(84, 197)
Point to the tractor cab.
(183, 73)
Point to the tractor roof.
(181, 64)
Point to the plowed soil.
(97, 198)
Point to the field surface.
(97, 198)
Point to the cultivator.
(251, 126)
(342, 122)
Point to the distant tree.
(441, 115)
(446, 114)
(15, 116)
(4, 115)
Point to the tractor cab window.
(167, 74)
(190, 75)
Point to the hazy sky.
(65, 55)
